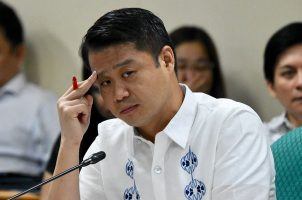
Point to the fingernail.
(93, 73)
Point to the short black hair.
(11, 25)
(128, 25)
(280, 41)
(192, 34)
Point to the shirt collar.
(281, 121)
(287, 123)
(180, 125)
(14, 85)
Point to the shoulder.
(277, 127)
(113, 128)
(275, 122)
(38, 94)
(222, 107)
(225, 121)
(290, 142)
(112, 124)
(41, 92)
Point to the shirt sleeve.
(91, 185)
(244, 166)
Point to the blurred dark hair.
(86, 72)
(11, 25)
(192, 34)
(129, 25)
(279, 42)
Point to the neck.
(7, 76)
(296, 120)
(164, 117)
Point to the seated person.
(283, 74)
(29, 119)
(167, 142)
(197, 61)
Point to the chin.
(296, 113)
(131, 122)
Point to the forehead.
(110, 55)
(114, 56)
(291, 56)
(191, 49)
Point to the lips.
(297, 99)
(128, 109)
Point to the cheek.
(3, 61)
(106, 101)
(204, 77)
(282, 87)
(283, 92)
(180, 75)
(207, 76)
(100, 101)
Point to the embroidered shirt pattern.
(132, 192)
(196, 189)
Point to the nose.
(181, 75)
(298, 81)
(120, 92)
(190, 73)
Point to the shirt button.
(157, 169)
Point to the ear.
(271, 89)
(166, 58)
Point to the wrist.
(70, 143)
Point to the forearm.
(74, 109)
(45, 188)
(67, 186)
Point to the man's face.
(287, 86)
(9, 60)
(133, 87)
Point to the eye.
(105, 83)
(288, 73)
(127, 74)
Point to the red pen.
(75, 83)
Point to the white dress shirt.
(211, 149)
(29, 127)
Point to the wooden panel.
(5, 194)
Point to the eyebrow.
(197, 60)
(121, 64)
(286, 66)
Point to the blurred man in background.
(29, 122)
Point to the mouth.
(297, 99)
(128, 109)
